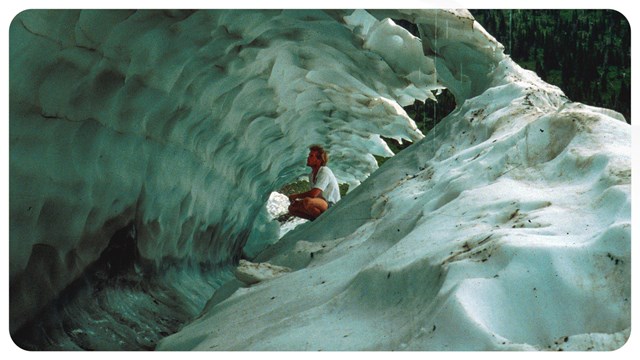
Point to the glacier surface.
(505, 227)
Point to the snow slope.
(521, 241)
(506, 227)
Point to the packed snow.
(506, 227)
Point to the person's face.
(313, 159)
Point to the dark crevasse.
(123, 302)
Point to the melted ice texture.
(505, 227)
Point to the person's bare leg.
(314, 207)
(308, 208)
(297, 209)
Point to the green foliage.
(343, 189)
(587, 53)
(428, 114)
(301, 186)
(296, 187)
(394, 145)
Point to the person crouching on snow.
(324, 191)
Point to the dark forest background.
(587, 53)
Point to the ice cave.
(145, 147)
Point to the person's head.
(317, 155)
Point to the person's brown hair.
(322, 153)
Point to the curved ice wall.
(182, 122)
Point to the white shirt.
(327, 182)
